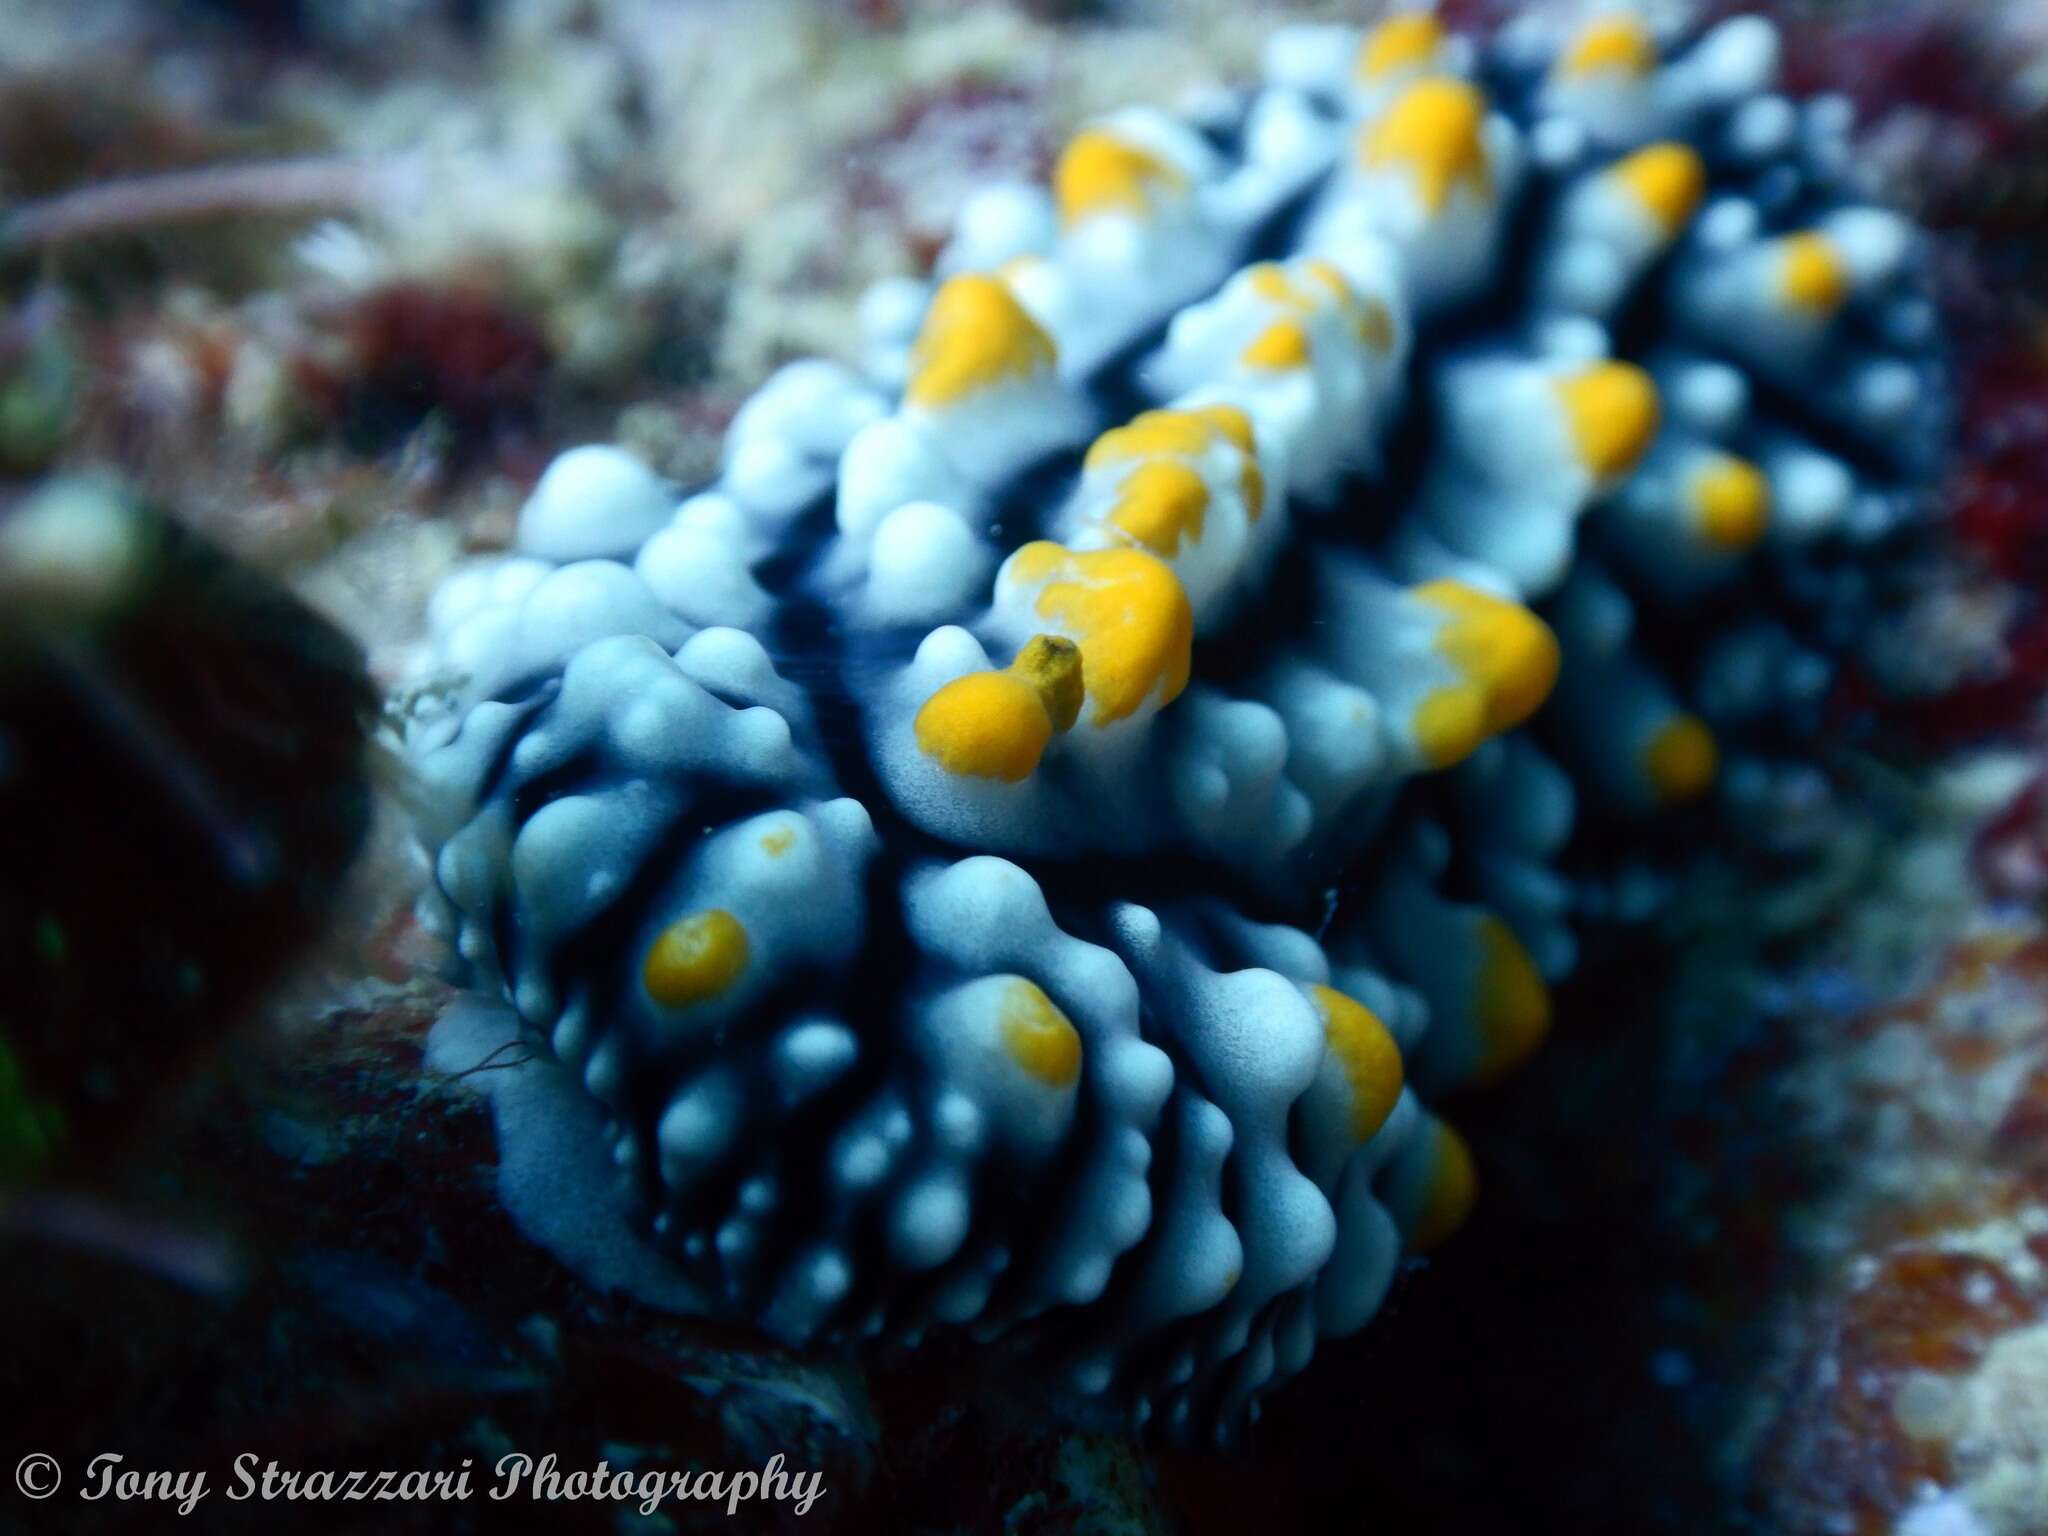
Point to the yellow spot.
(696, 958)
(1613, 412)
(1681, 759)
(1129, 614)
(1161, 502)
(1618, 44)
(1367, 1053)
(775, 844)
(1812, 276)
(1101, 173)
(1399, 43)
(975, 335)
(986, 725)
(996, 725)
(1271, 282)
(1328, 274)
(1512, 1004)
(1039, 1038)
(1667, 179)
(1185, 434)
(1453, 1186)
(1731, 501)
(1281, 345)
(1508, 661)
(1433, 130)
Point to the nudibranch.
(1022, 849)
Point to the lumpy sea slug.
(915, 855)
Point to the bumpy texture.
(1007, 854)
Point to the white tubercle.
(698, 566)
(926, 563)
(592, 502)
(783, 446)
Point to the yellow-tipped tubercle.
(1507, 660)
(1668, 180)
(1617, 44)
(1399, 43)
(1681, 759)
(695, 958)
(1512, 1003)
(1040, 1039)
(1102, 173)
(975, 335)
(996, 725)
(1811, 275)
(1435, 130)
(1452, 1188)
(1731, 502)
(1367, 1053)
(1613, 413)
(1129, 614)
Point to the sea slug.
(1019, 852)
